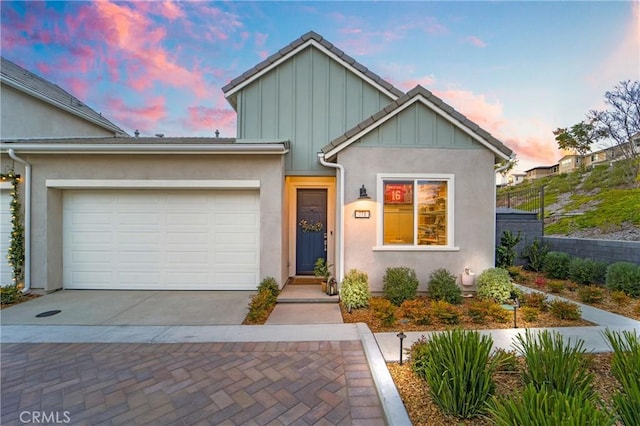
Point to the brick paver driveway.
(270, 383)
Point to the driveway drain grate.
(48, 313)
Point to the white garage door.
(161, 239)
(5, 233)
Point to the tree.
(617, 126)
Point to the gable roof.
(309, 39)
(33, 85)
(419, 94)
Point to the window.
(416, 211)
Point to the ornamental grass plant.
(458, 368)
(625, 367)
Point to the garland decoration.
(15, 256)
(310, 227)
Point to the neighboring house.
(329, 161)
(34, 108)
(541, 171)
(516, 178)
(569, 163)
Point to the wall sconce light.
(363, 194)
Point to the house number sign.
(362, 214)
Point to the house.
(330, 160)
(32, 108)
(541, 171)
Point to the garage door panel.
(161, 239)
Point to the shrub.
(458, 369)
(624, 276)
(556, 265)
(547, 407)
(442, 286)
(260, 306)
(506, 252)
(10, 294)
(565, 310)
(535, 254)
(571, 286)
(445, 312)
(383, 310)
(271, 285)
(619, 297)
(415, 310)
(400, 284)
(535, 299)
(499, 314)
(515, 272)
(505, 360)
(625, 367)
(529, 314)
(478, 310)
(591, 294)
(354, 290)
(551, 362)
(586, 271)
(494, 283)
(555, 286)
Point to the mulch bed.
(423, 411)
(545, 319)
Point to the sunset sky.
(518, 69)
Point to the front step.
(305, 294)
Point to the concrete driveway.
(105, 307)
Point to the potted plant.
(321, 270)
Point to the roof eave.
(220, 149)
(19, 86)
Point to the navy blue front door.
(311, 229)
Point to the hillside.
(588, 204)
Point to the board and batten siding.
(418, 126)
(310, 99)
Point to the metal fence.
(531, 200)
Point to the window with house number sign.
(417, 210)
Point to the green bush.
(415, 310)
(383, 310)
(442, 286)
(556, 265)
(625, 367)
(547, 407)
(505, 360)
(586, 271)
(535, 254)
(354, 290)
(624, 276)
(506, 252)
(529, 313)
(494, 283)
(550, 362)
(458, 369)
(400, 284)
(565, 310)
(555, 286)
(271, 285)
(590, 294)
(10, 294)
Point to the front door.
(311, 229)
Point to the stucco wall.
(24, 117)
(473, 206)
(47, 202)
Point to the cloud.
(212, 119)
(171, 10)
(475, 41)
(425, 81)
(144, 118)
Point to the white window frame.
(415, 177)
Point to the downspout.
(27, 220)
(340, 221)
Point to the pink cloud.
(171, 10)
(79, 87)
(475, 41)
(144, 118)
(426, 81)
(475, 107)
(203, 118)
